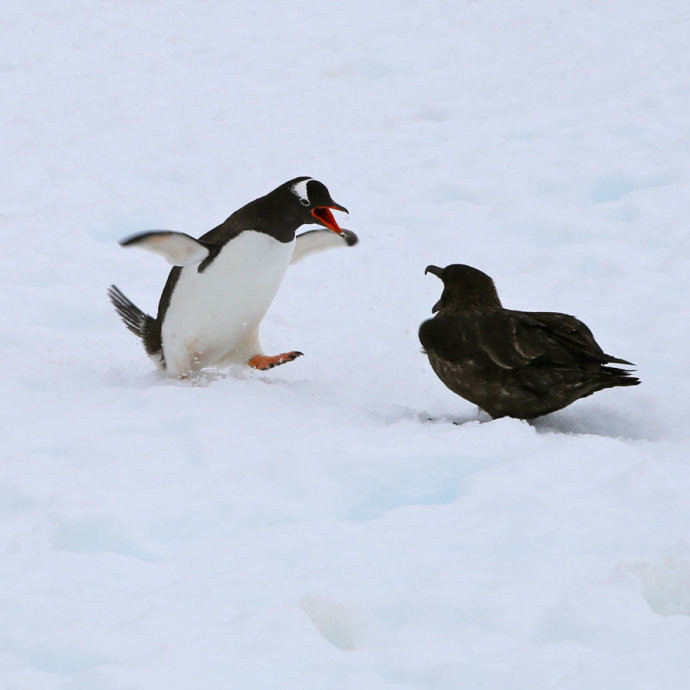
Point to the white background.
(310, 528)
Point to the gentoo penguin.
(223, 283)
(511, 363)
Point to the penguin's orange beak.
(324, 216)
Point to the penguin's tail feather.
(136, 320)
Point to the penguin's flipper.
(315, 241)
(176, 248)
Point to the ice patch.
(97, 535)
(60, 657)
(615, 187)
(384, 499)
(611, 189)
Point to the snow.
(344, 521)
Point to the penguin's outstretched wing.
(315, 241)
(176, 248)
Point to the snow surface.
(310, 528)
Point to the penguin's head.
(464, 288)
(316, 203)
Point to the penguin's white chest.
(213, 316)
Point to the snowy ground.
(310, 528)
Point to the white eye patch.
(299, 189)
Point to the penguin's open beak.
(324, 216)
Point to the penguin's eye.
(305, 202)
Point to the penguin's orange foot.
(264, 362)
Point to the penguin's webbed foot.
(263, 362)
